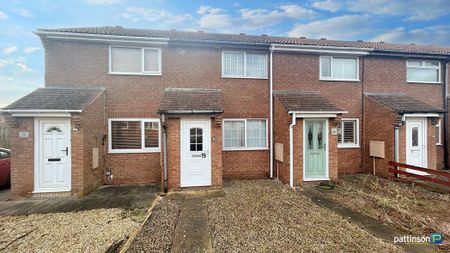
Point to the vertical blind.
(245, 133)
(241, 64)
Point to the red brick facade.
(71, 63)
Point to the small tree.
(4, 134)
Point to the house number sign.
(24, 135)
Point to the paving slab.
(373, 226)
(117, 196)
(192, 231)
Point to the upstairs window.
(134, 135)
(135, 61)
(338, 68)
(244, 65)
(348, 133)
(423, 71)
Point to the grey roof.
(294, 100)
(244, 38)
(190, 100)
(57, 98)
(402, 103)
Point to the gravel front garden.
(412, 209)
(85, 231)
(265, 216)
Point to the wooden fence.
(435, 176)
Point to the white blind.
(233, 64)
(234, 134)
(344, 68)
(256, 65)
(127, 60)
(256, 133)
(325, 62)
(151, 60)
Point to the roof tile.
(307, 101)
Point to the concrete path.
(192, 231)
(126, 197)
(373, 226)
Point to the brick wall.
(379, 125)
(76, 63)
(281, 124)
(93, 125)
(22, 157)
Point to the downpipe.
(165, 177)
(291, 149)
(271, 111)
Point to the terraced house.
(186, 109)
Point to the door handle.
(66, 150)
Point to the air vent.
(241, 33)
(381, 41)
(323, 38)
(265, 35)
(303, 37)
(360, 40)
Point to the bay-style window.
(244, 134)
(133, 135)
(423, 71)
(339, 68)
(348, 133)
(134, 61)
(244, 65)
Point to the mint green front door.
(315, 144)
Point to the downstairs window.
(133, 135)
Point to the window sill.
(245, 77)
(133, 151)
(245, 149)
(340, 80)
(134, 74)
(349, 146)
(439, 144)
(422, 82)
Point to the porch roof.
(191, 101)
(305, 101)
(68, 99)
(402, 103)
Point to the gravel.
(412, 209)
(265, 216)
(86, 231)
(158, 232)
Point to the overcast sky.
(21, 53)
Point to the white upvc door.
(416, 144)
(53, 155)
(195, 153)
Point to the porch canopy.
(307, 103)
(191, 101)
(405, 105)
(54, 100)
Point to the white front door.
(53, 155)
(195, 153)
(416, 143)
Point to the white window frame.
(245, 65)
(439, 128)
(424, 67)
(266, 147)
(133, 151)
(322, 78)
(350, 145)
(143, 72)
